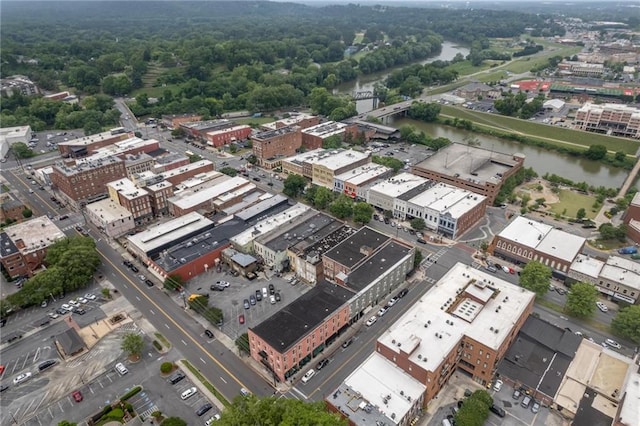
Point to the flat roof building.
(274, 145)
(475, 169)
(110, 217)
(313, 137)
(526, 239)
(135, 200)
(610, 119)
(328, 166)
(301, 164)
(176, 176)
(298, 119)
(204, 198)
(617, 277)
(383, 194)
(354, 182)
(86, 145)
(344, 257)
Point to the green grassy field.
(358, 38)
(557, 135)
(572, 202)
(250, 121)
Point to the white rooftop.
(268, 225)
(295, 118)
(453, 196)
(636, 199)
(429, 333)
(17, 131)
(561, 244)
(228, 130)
(623, 271)
(525, 231)
(228, 196)
(35, 234)
(466, 204)
(398, 185)
(165, 233)
(306, 156)
(629, 413)
(201, 180)
(108, 210)
(376, 378)
(339, 159)
(324, 130)
(87, 140)
(189, 199)
(586, 265)
(126, 188)
(186, 168)
(363, 173)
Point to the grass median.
(206, 383)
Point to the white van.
(309, 374)
(265, 293)
(121, 369)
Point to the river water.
(542, 161)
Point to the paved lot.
(231, 299)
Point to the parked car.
(272, 289)
(498, 411)
(203, 409)
(613, 343)
(497, 385)
(516, 394)
(246, 304)
(392, 301)
(535, 407)
(371, 321)
(79, 311)
(178, 376)
(189, 393)
(526, 401)
(223, 283)
(602, 306)
(347, 343)
(61, 311)
(258, 295)
(134, 268)
(491, 268)
(47, 364)
(209, 334)
(561, 291)
(322, 364)
(382, 311)
(21, 378)
(272, 299)
(402, 293)
(241, 318)
(121, 369)
(277, 296)
(421, 241)
(628, 250)
(77, 396)
(148, 282)
(308, 375)
(53, 315)
(252, 299)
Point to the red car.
(77, 396)
(241, 318)
(1, 369)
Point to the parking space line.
(185, 343)
(152, 313)
(203, 361)
(225, 382)
(61, 409)
(165, 324)
(25, 359)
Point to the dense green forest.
(218, 56)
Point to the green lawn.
(358, 38)
(572, 202)
(156, 92)
(533, 129)
(254, 120)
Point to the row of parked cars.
(386, 308)
(73, 305)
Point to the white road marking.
(125, 286)
(137, 298)
(168, 328)
(203, 361)
(221, 378)
(36, 355)
(152, 313)
(185, 343)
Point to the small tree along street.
(475, 409)
(132, 344)
(535, 277)
(627, 323)
(581, 300)
(418, 224)
(294, 185)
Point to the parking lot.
(407, 153)
(231, 300)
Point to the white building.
(617, 278)
(328, 166)
(384, 194)
(11, 135)
(110, 217)
(354, 183)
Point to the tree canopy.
(417, 223)
(475, 409)
(627, 323)
(535, 277)
(581, 300)
(294, 185)
(132, 344)
(251, 410)
(362, 213)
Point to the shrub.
(131, 393)
(115, 414)
(157, 345)
(166, 367)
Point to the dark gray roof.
(287, 326)
(417, 190)
(535, 358)
(587, 415)
(308, 229)
(349, 253)
(268, 207)
(7, 247)
(70, 341)
(376, 265)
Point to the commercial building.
(18, 84)
(276, 144)
(617, 278)
(611, 119)
(160, 193)
(129, 148)
(169, 161)
(525, 239)
(328, 166)
(136, 200)
(12, 135)
(289, 339)
(445, 209)
(86, 145)
(313, 137)
(205, 199)
(199, 129)
(355, 183)
(383, 195)
(346, 256)
(23, 246)
(273, 247)
(110, 217)
(173, 121)
(86, 182)
(218, 138)
(298, 119)
(476, 90)
(176, 176)
(11, 207)
(581, 69)
(632, 219)
(302, 164)
(475, 169)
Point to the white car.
(602, 306)
(272, 299)
(53, 315)
(613, 344)
(74, 303)
(498, 385)
(505, 269)
(371, 321)
(189, 393)
(392, 302)
(90, 296)
(382, 311)
(212, 419)
(223, 283)
(82, 300)
(66, 307)
(308, 375)
(22, 378)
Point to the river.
(541, 160)
(365, 82)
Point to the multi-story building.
(297, 119)
(110, 217)
(302, 164)
(86, 182)
(176, 176)
(11, 135)
(138, 163)
(18, 84)
(383, 195)
(328, 166)
(611, 119)
(24, 245)
(136, 200)
(617, 278)
(313, 137)
(632, 219)
(276, 144)
(445, 209)
(581, 69)
(354, 183)
(86, 145)
(475, 319)
(472, 168)
(127, 148)
(173, 121)
(160, 193)
(218, 138)
(188, 201)
(11, 207)
(525, 239)
(346, 256)
(170, 161)
(199, 129)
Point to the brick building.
(24, 245)
(475, 169)
(297, 119)
(173, 121)
(218, 138)
(275, 144)
(199, 129)
(632, 219)
(11, 207)
(136, 200)
(313, 137)
(178, 175)
(87, 145)
(86, 182)
(354, 183)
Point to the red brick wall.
(284, 145)
(89, 182)
(193, 268)
(181, 177)
(228, 136)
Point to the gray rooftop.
(470, 163)
(376, 265)
(263, 208)
(325, 240)
(417, 190)
(88, 165)
(305, 230)
(274, 133)
(207, 125)
(352, 250)
(284, 328)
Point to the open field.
(553, 134)
(251, 121)
(573, 201)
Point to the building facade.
(279, 143)
(218, 138)
(610, 119)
